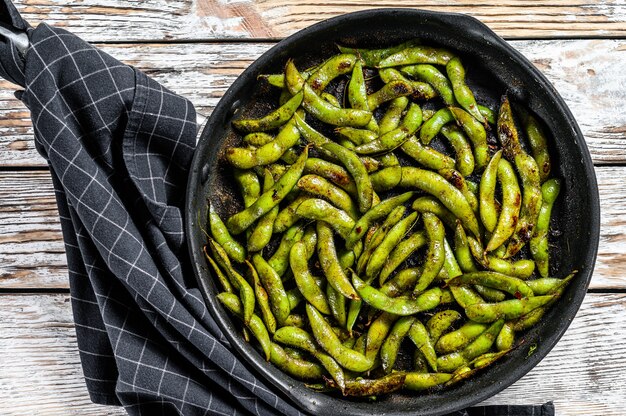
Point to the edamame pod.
(512, 285)
(462, 92)
(476, 133)
(421, 339)
(320, 210)
(391, 346)
(373, 387)
(462, 148)
(401, 252)
(417, 55)
(539, 242)
(424, 381)
(330, 263)
(279, 302)
(435, 256)
(488, 207)
(335, 66)
(220, 233)
(434, 77)
(262, 299)
(328, 113)
(508, 309)
(318, 186)
(264, 228)
(273, 120)
(280, 259)
(511, 202)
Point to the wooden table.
(197, 48)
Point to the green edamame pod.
(393, 115)
(356, 136)
(318, 186)
(287, 216)
(371, 57)
(264, 228)
(441, 189)
(279, 302)
(462, 250)
(257, 139)
(462, 93)
(335, 66)
(401, 252)
(508, 309)
(435, 256)
(512, 285)
(391, 346)
(488, 207)
(458, 339)
(262, 299)
(220, 233)
(295, 367)
(221, 277)
(388, 92)
(434, 77)
(326, 338)
(249, 185)
(254, 324)
(402, 306)
(506, 338)
(434, 124)
(529, 175)
(246, 293)
(268, 200)
(393, 237)
(417, 55)
(487, 113)
(421, 339)
(357, 94)
(305, 281)
(431, 204)
(440, 322)
(426, 155)
(386, 179)
(362, 387)
(423, 381)
(273, 120)
(481, 345)
(329, 262)
(337, 304)
(334, 173)
(392, 219)
(328, 97)
(539, 242)
(396, 137)
(421, 90)
(464, 295)
(458, 181)
(511, 202)
(490, 294)
(462, 148)
(544, 285)
(476, 133)
(538, 145)
(280, 259)
(378, 211)
(377, 333)
(320, 210)
(359, 173)
(330, 114)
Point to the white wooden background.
(197, 48)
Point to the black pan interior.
(493, 68)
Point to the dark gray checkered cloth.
(118, 146)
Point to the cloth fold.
(118, 145)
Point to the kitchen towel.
(119, 145)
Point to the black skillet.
(494, 68)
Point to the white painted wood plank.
(113, 20)
(41, 369)
(588, 74)
(32, 254)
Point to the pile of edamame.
(381, 242)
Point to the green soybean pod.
(476, 133)
(353, 164)
(254, 324)
(287, 216)
(458, 181)
(264, 228)
(386, 179)
(464, 295)
(328, 97)
(393, 115)
(306, 283)
(435, 255)
(488, 207)
(330, 114)
(221, 277)
(337, 305)
(423, 381)
(249, 186)
(318, 186)
(539, 242)
(538, 145)
(363, 387)
(295, 367)
(326, 338)
(332, 68)
(426, 155)
(262, 299)
(268, 200)
(440, 322)
(273, 120)
(246, 293)
(419, 335)
(220, 233)
(508, 309)
(431, 204)
(329, 262)
(391, 346)
(371, 57)
(509, 284)
(544, 285)
(396, 137)
(401, 252)
(506, 337)
(462, 148)
(392, 219)
(280, 259)
(447, 194)
(462, 250)
(421, 90)
(357, 94)
(257, 139)
(320, 210)
(272, 283)
(417, 55)
(380, 210)
(462, 93)
(356, 136)
(393, 237)
(434, 77)
(404, 280)
(334, 173)
(458, 339)
(434, 124)
(388, 92)
(480, 345)
(377, 333)
(511, 202)
(529, 176)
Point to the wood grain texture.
(113, 20)
(32, 254)
(42, 375)
(588, 73)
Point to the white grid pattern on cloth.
(118, 144)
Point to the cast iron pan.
(493, 68)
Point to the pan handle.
(18, 37)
